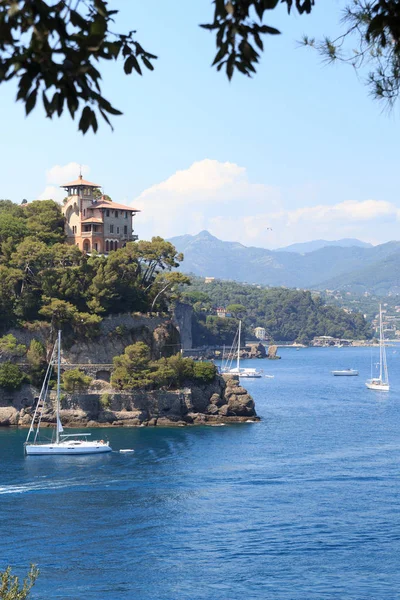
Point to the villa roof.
(113, 206)
(92, 220)
(80, 182)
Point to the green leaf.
(30, 102)
(147, 63)
(132, 63)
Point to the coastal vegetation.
(135, 369)
(44, 279)
(12, 589)
(286, 315)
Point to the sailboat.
(238, 370)
(381, 383)
(76, 443)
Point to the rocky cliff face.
(116, 332)
(222, 401)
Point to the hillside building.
(94, 223)
(260, 333)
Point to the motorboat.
(345, 373)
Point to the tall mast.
(380, 342)
(238, 354)
(58, 386)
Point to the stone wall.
(183, 321)
(116, 332)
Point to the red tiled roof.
(92, 220)
(112, 206)
(80, 182)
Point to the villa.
(94, 223)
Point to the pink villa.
(96, 223)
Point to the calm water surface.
(304, 505)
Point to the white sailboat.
(76, 443)
(238, 370)
(381, 383)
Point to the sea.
(304, 504)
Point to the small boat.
(345, 373)
(227, 368)
(269, 376)
(381, 383)
(71, 444)
(126, 450)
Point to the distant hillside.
(304, 247)
(381, 278)
(286, 315)
(331, 267)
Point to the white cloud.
(188, 200)
(58, 175)
(219, 197)
(61, 174)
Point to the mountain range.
(304, 247)
(357, 268)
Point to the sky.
(299, 152)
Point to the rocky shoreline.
(220, 402)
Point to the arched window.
(86, 246)
(107, 246)
(111, 246)
(115, 245)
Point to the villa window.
(107, 246)
(107, 213)
(84, 212)
(126, 214)
(111, 228)
(117, 229)
(116, 214)
(125, 229)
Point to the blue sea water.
(303, 505)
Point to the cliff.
(115, 333)
(222, 401)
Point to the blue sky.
(301, 148)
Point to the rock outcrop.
(222, 401)
(272, 350)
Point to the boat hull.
(345, 373)
(379, 387)
(70, 449)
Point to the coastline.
(223, 401)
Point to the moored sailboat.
(238, 370)
(76, 443)
(381, 383)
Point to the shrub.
(36, 357)
(105, 400)
(11, 376)
(205, 371)
(75, 380)
(10, 348)
(10, 587)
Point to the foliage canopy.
(135, 369)
(41, 277)
(287, 315)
